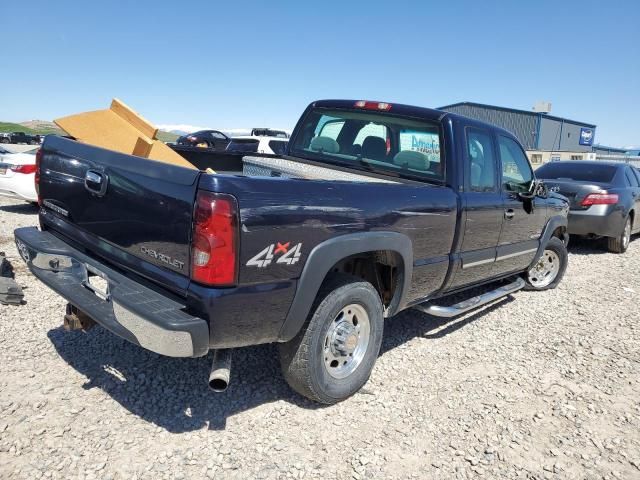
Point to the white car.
(17, 174)
(258, 144)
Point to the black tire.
(620, 244)
(303, 358)
(557, 247)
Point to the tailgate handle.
(96, 182)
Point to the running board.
(475, 302)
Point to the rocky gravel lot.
(541, 385)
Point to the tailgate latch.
(96, 182)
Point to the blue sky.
(242, 64)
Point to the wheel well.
(559, 232)
(632, 216)
(383, 269)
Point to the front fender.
(552, 224)
(326, 254)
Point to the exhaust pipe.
(220, 370)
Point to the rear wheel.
(620, 244)
(333, 355)
(548, 271)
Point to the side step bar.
(475, 302)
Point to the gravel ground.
(541, 385)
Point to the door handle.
(509, 214)
(96, 182)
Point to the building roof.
(515, 110)
(611, 149)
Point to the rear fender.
(325, 255)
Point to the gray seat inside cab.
(374, 148)
(324, 144)
(412, 159)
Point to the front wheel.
(620, 244)
(549, 269)
(333, 355)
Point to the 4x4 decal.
(289, 256)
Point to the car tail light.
(24, 168)
(214, 246)
(373, 105)
(39, 155)
(601, 198)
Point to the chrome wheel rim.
(545, 271)
(346, 342)
(626, 236)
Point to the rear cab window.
(371, 141)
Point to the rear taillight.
(214, 245)
(601, 198)
(24, 169)
(39, 155)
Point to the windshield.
(582, 172)
(370, 141)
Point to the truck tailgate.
(134, 212)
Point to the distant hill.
(44, 127)
(35, 127)
(166, 136)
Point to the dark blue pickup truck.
(375, 208)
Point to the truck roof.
(424, 113)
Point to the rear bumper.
(131, 310)
(600, 220)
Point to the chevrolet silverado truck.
(374, 209)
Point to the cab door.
(482, 210)
(523, 220)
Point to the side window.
(516, 170)
(217, 135)
(279, 147)
(637, 173)
(481, 161)
(331, 129)
(425, 142)
(371, 142)
(371, 130)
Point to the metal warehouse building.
(545, 137)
